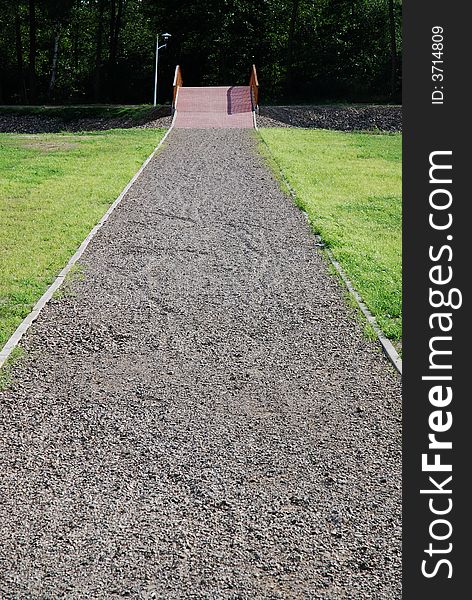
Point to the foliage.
(67, 51)
(53, 189)
(350, 186)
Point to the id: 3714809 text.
(437, 64)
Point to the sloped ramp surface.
(214, 107)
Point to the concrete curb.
(23, 327)
(386, 344)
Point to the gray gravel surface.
(338, 117)
(200, 416)
(15, 123)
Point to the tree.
(98, 52)
(116, 15)
(32, 52)
(393, 48)
(19, 52)
(290, 45)
(305, 50)
(58, 12)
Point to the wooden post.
(254, 84)
(178, 82)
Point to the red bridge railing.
(178, 82)
(254, 85)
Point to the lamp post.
(166, 36)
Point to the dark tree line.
(63, 51)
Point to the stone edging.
(386, 344)
(23, 327)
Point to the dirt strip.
(201, 416)
(30, 124)
(354, 117)
(336, 117)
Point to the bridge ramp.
(214, 107)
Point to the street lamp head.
(166, 36)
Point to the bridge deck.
(214, 107)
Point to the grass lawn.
(53, 189)
(350, 186)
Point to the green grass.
(82, 111)
(53, 189)
(350, 186)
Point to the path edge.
(23, 327)
(387, 346)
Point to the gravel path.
(200, 416)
